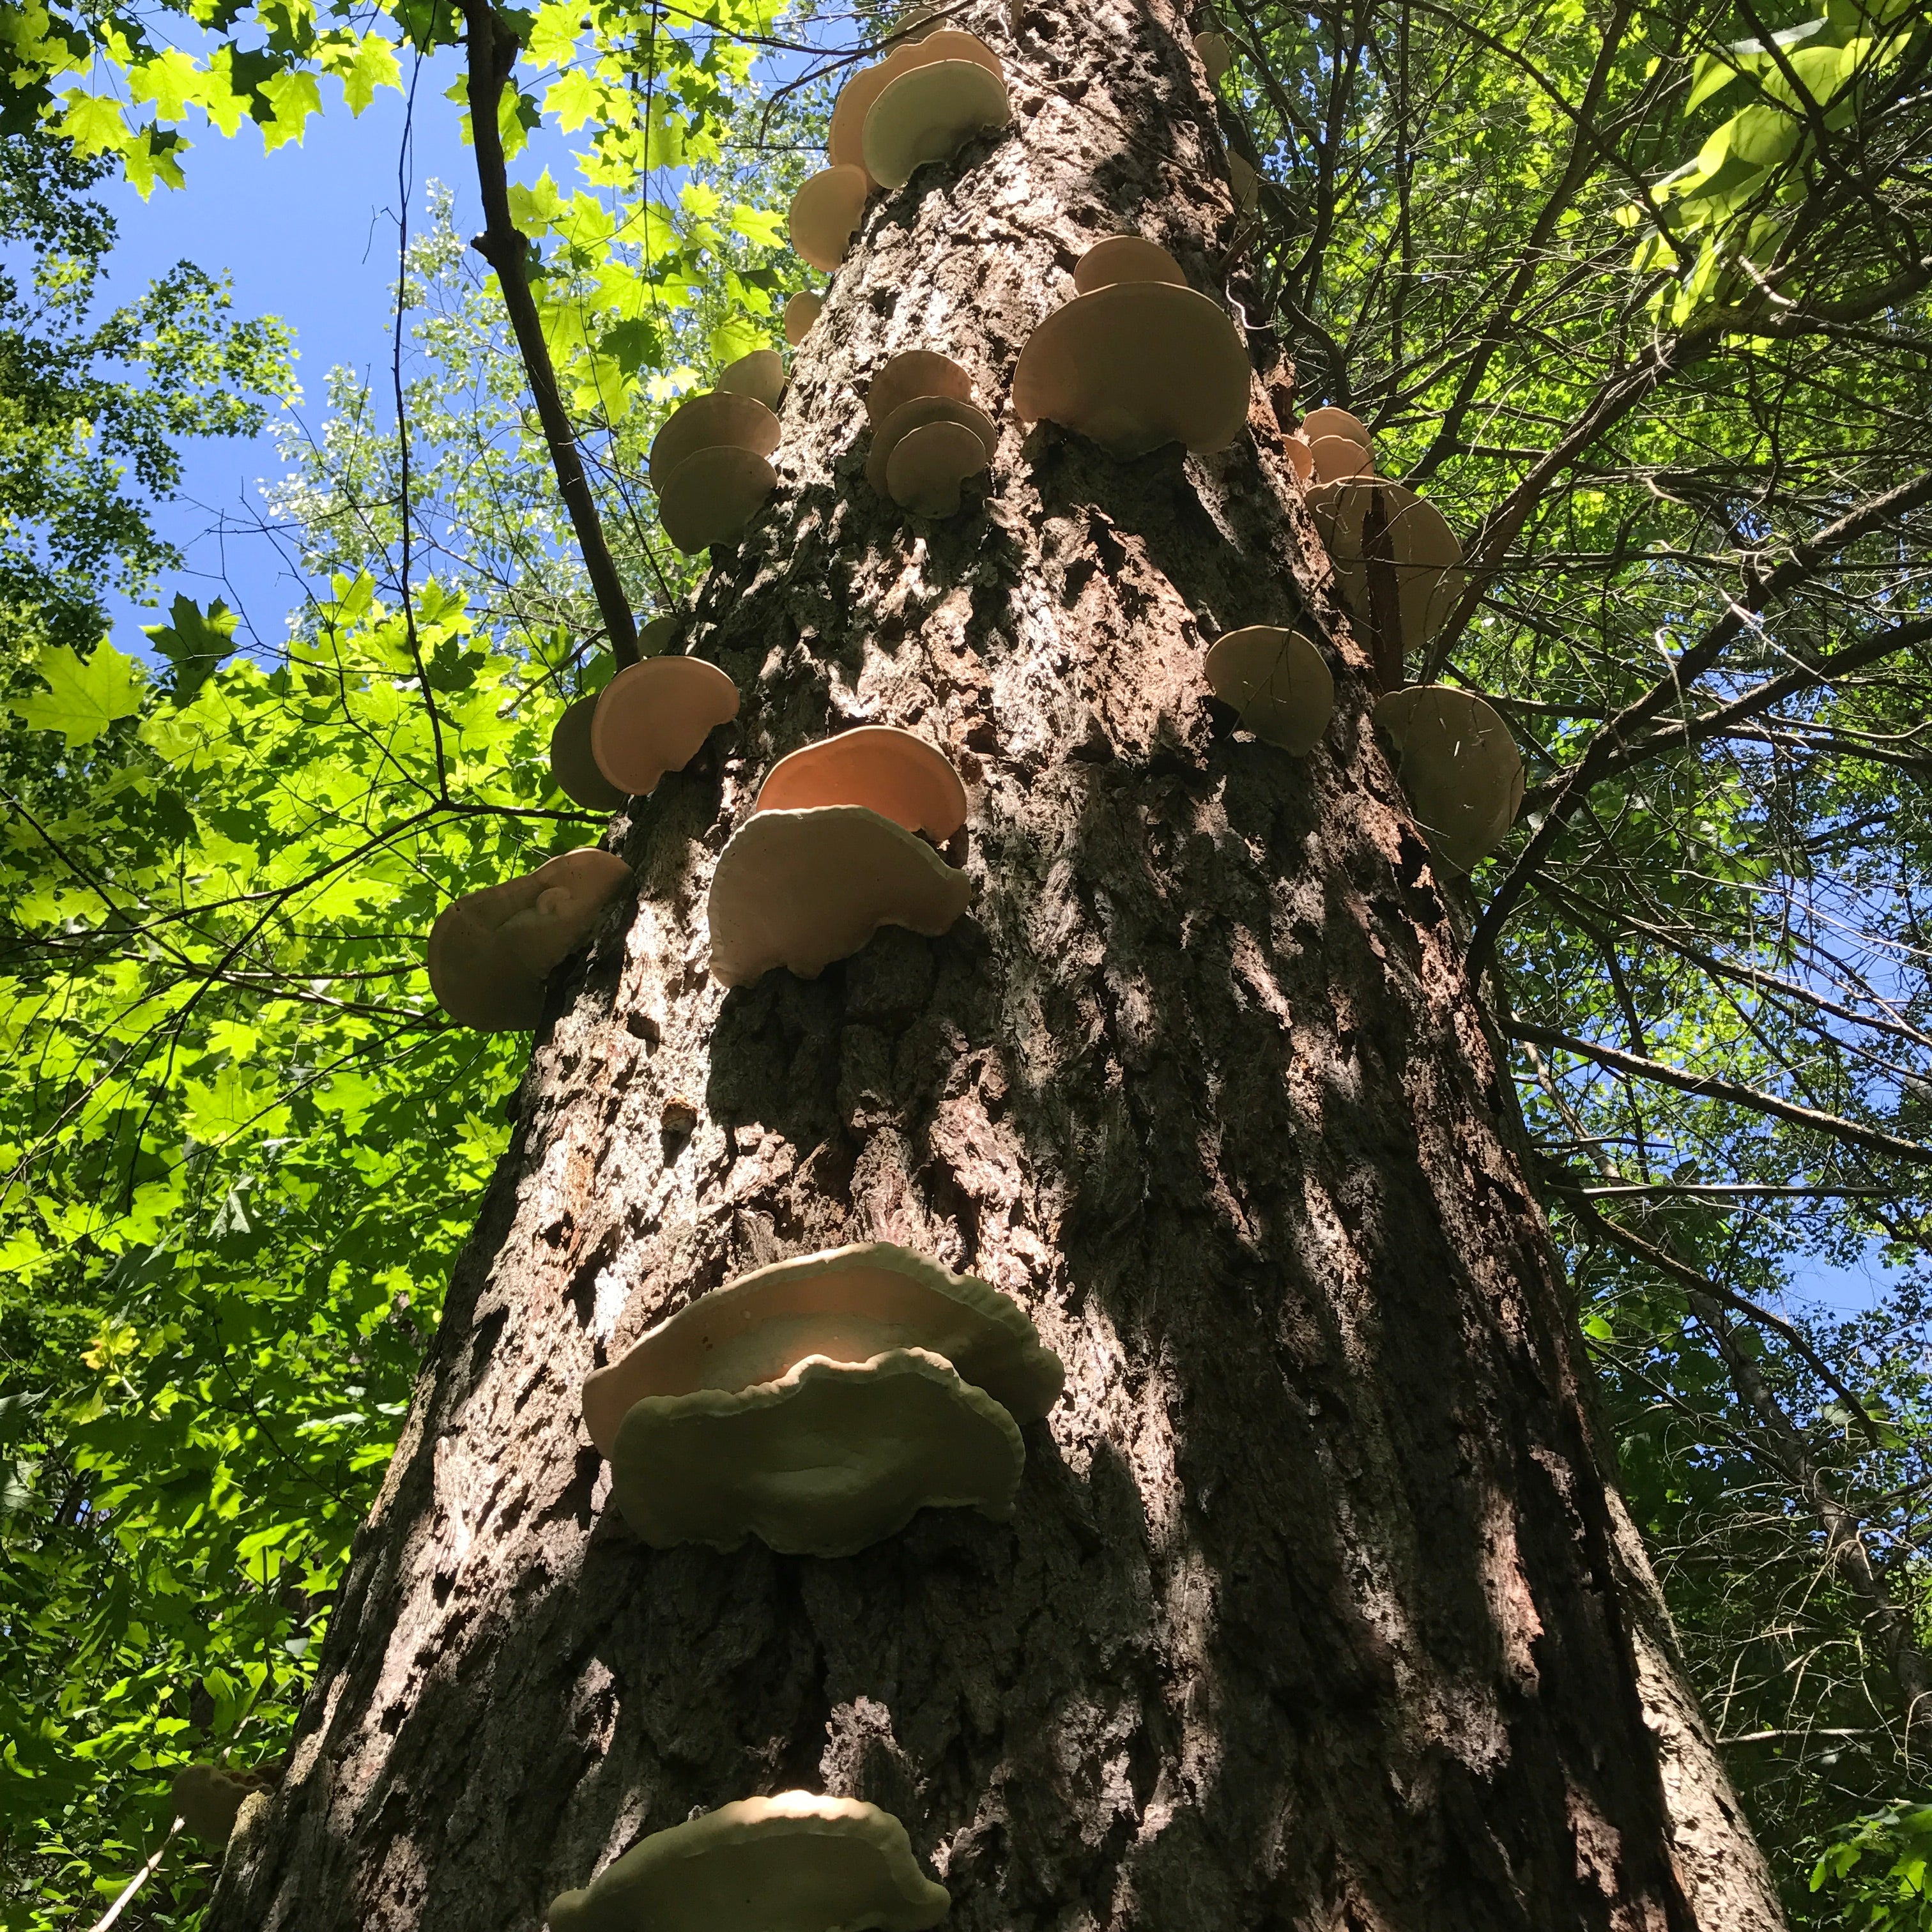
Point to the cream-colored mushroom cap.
(824, 1461)
(490, 951)
(825, 211)
(1213, 48)
(845, 138)
(1330, 421)
(928, 465)
(1459, 766)
(917, 414)
(1301, 458)
(1424, 549)
(927, 113)
(896, 773)
(800, 313)
(847, 1304)
(658, 636)
(794, 1863)
(573, 764)
(653, 716)
(1277, 681)
(1125, 258)
(717, 420)
(1243, 181)
(1338, 459)
(761, 374)
(206, 1797)
(712, 494)
(1136, 366)
(914, 372)
(802, 889)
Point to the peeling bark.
(1319, 1610)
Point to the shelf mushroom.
(1459, 766)
(573, 764)
(1279, 682)
(818, 1403)
(761, 374)
(708, 466)
(1244, 183)
(928, 435)
(489, 952)
(208, 1798)
(1215, 57)
(806, 883)
(1137, 358)
(800, 313)
(931, 94)
(825, 211)
(1338, 445)
(1368, 523)
(653, 716)
(797, 1862)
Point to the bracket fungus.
(802, 889)
(653, 716)
(207, 1798)
(846, 1305)
(928, 113)
(927, 465)
(916, 393)
(827, 1459)
(911, 373)
(573, 764)
(898, 774)
(1243, 183)
(800, 313)
(761, 375)
(797, 1862)
(1136, 364)
(825, 211)
(933, 45)
(1338, 445)
(708, 466)
(658, 636)
(1413, 542)
(489, 952)
(1215, 56)
(1459, 766)
(1277, 680)
(1125, 258)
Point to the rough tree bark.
(1319, 1610)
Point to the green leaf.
(194, 642)
(84, 697)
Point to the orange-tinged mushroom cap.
(825, 211)
(573, 764)
(927, 113)
(653, 716)
(894, 773)
(761, 374)
(914, 372)
(717, 420)
(1125, 258)
(917, 414)
(712, 494)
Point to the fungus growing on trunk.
(1215, 56)
(797, 1862)
(654, 716)
(800, 313)
(1279, 682)
(825, 211)
(1414, 543)
(896, 773)
(1125, 258)
(573, 764)
(1135, 364)
(708, 466)
(761, 375)
(911, 373)
(1243, 182)
(206, 1797)
(927, 112)
(827, 1459)
(489, 952)
(802, 889)
(846, 1305)
(1459, 766)
(918, 392)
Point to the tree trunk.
(1317, 1609)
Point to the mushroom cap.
(1135, 366)
(825, 211)
(717, 420)
(1215, 57)
(1423, 547)
(1340, 459)
(761, 374)
(658, 636)
(927, 112)
(797, 1862)
(928, 464)
(844, 141)
(1125, 258)
(1458, 764)
(800, 313)
(712, 494)
(894, 773)
(1301, 458)
(802, 889)
(653, 716)
(830, 1457)
(489, 952)
(573, 764)
(1243, 181)
(847, 1305)
(916, 414)
(1329, 421)
(1277, 680)
(914, 372)
(206, 1797)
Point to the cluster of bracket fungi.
(819, 1403)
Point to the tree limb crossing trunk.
(1317, 1611)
